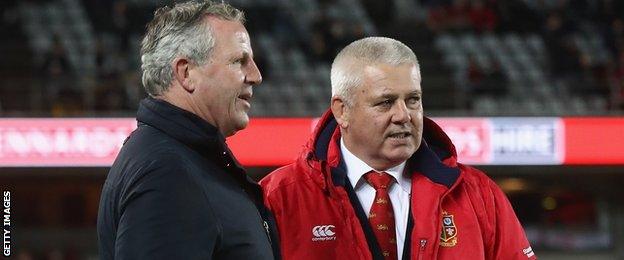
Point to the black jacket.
(175, 191)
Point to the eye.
(242, 59)
(239, 60)
(414, 100)
(385, 103)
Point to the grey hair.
(179, 31)
(346, 70)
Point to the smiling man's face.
(223, 86)
(383, 124)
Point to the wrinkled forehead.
(232, 45)
(228, 32)
(242, 37)
(415, 73)
(403, 72)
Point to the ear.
(341, 112)
(181, 73)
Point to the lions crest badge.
(448, 237)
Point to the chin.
(242, 122)
(401, 155)
(398, 158)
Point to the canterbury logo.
(323, 233)
(528, 252)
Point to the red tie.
(381, 215)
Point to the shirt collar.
(356, 168)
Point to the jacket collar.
(187, 128)
(178, 123)
(434, 159)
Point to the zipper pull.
(421, 250)
(266, 228)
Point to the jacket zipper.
(421, 249)
(266, 227)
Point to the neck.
(182, 99)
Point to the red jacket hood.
(435, 156)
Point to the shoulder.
(485, 193)
(152, 176)
(147, 140)
(293, 179)
(478, 182)
(473, 176)
(157, 184)
(149, 160)
(284, 176)
(147, 150)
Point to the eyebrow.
(415, 92)
(240, 55)
(388, 96)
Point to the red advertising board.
(471, 137)
(271, 141)
(62, 142)
(594, 141)
(278, 141)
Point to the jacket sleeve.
(510, 241)
(274, 236)
(164, 215)
(274, 209)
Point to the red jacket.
(457, 212)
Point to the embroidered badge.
(323, 233)
(448, 237)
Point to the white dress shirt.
(399, 192)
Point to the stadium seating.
(464, 71)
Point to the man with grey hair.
(378, 180)
(175, 190)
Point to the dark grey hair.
(179, 31)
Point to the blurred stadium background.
(531, 91)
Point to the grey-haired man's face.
(383, 124)
(224, 84)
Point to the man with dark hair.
(175, 190)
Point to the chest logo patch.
(448, 236)
(323, 233)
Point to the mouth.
(246, 96)
(400, 135)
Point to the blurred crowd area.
(478, 57)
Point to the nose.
(253, 76)
(401, 113)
